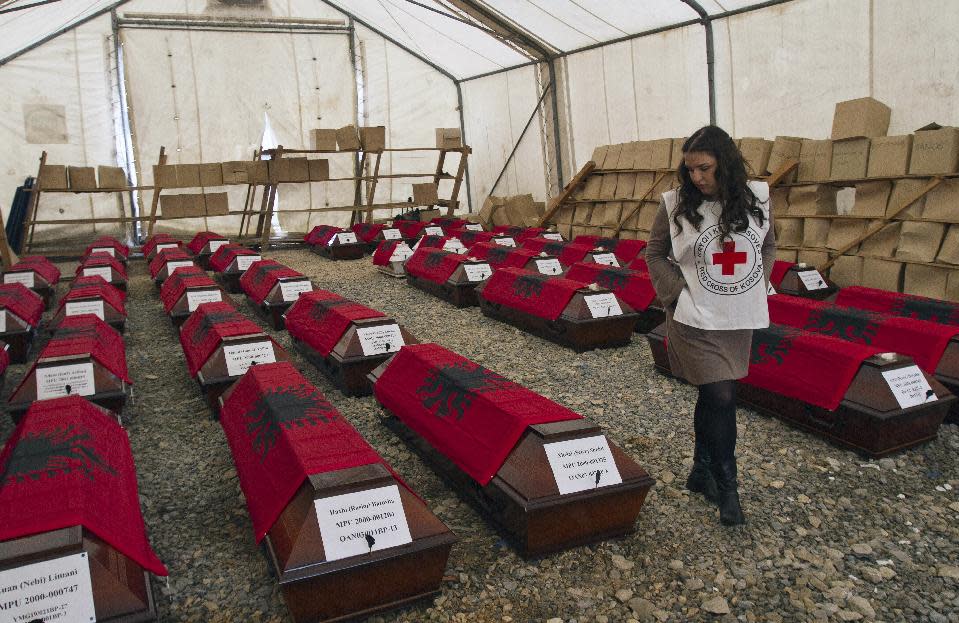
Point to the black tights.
(715, 419)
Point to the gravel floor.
(830, 536)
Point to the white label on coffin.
(582, 464)
(434, 231)
(76, 308)
(603, 305)
(505, 242)
(51, 590)
(392, 234)
(553, 236)
(291, 290)
(812, 279)
(243, 262)
(25, 278)
(909, 386)
(361, 522)
(346, 237)
(52, 382)
(172, 266)
(401, 253)
(609, 259)
(99, 271)
(549, 267)
(164, 247)
(454, 245)
(478, 272)
(216, 244)
(109, 250)
(3, 320)
(378, 340)
(770, 290)
(239, 357)
(195, 298)
(473, 227)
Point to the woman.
(710, 253)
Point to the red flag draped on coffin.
(367, 232)
(106, 241)
(22, 302)
(110, 295)
(168, 255)
(632, 286)
(96, 260)
(201, 239)
(499, 256)
(898, 304)
(320, 234)
(150, 244)
(173, 288)
(40, 265)
(225, 255)
(530, 292)
(98, 282)
(449, 222)
(410, 229)
(924, 341)
(779, 270)
(69, 463)
(281, 429)
(568, 252)
(519, 233)
(205, 329)
(262, 275)
(434, 265)
(471, 415)
(384, 251)
(469, 237)
(320, 320)
(625, 250)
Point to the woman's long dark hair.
(734, 195)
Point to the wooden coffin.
(193, 297)
(122, 589)
(89, 305)
(805, 281)
(390, 233)
(576, 327)
(523, 499)
(109, 249)
(459, 289)
(168, 267)
(203, 257)
(342, 245)
(282, 295)
(163, 245)
(348, 366)
(355, 587)
(230, 277)
(214, 376)
(105, 388)
(393, 265)
(868, 420)
(17, 334)
(109, 274)
(34, 281)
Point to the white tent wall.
(411, 99)
(57, 98)
(496, 110)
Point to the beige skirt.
(703, 356)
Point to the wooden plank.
(458, 182)
(161, 160)
(777, 176)
(639, 204)
(28, 224)
(371, 189)
(567, 191)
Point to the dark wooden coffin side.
(274, 306)
(181, 309)
(793, 285)
(214, 377)
(339, 251)
(19, 336)
(458, 289)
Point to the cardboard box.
(935, 151)
(428, 215)
(882, 274)
(863, 117)
(815, 232)
(871, 198)
(427, 194)
(789, 232)
(53, 177)
(217, 204)
(521, 210)
(660, 153)
(845, 200)
(373, 138)
(846, 271)
(211, 174)
(187, 175)
(164, 175)
(949, 252)
(348, 139)
(920, 242)
(607, 189)
(606, 214)
(284, 170)
(902, 191)
(779, 201)
(812, 258)
(925, 281)
(491, 205)
(319, 170)
(755, 152)
(952, 286)
(889, 156)
(812, 200)
(323, 139)
(815, 161)
(942, 202)
(581, 230)
(843, 232)
(646, 215)
(884, 242)
(599, 155)
(111, 177)
(258, 171)
(449, 138)
(82, 178)
(613, 157)
(235, 172)
(850, 159)
(183, 205)
(643, 185)
(787, 255)
(677, 152)
(784, 149)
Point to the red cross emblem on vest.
(729, 257)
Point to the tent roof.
(436, 30)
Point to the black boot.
(730, 512)
(701, 478)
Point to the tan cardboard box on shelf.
(949, 252)
(815, 160)
(812, 200)
(844, 231)
(755, 152)
(871, 198)
(187, 175)
(785, 148)
(789, 231)
(882, 274)
(812, 257)
(521, 210)
(490, 206)
(889, 156)
(319, 170)
(935, 151)
(347, 138)
(952, 286)
(660, 153)
(373, 138)
(860, 117)
(920, 241)
(846, 271)
(164, 175)
(82, 178)
(323, 139)
(815, 232)
(677, 152)
(448, 138)
(53, 177)
(924, 280)
(182, 205)
(425, 193)
(942, 202)
(779, 201)
(646, 215)
(903, 190)
(211, 174)
(217, 204)
(850, 159)
(787, 255)
(883, 243)
(289, 170)
(236, 172)
(111, 177)
(599, 155)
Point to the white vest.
(725, 282)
